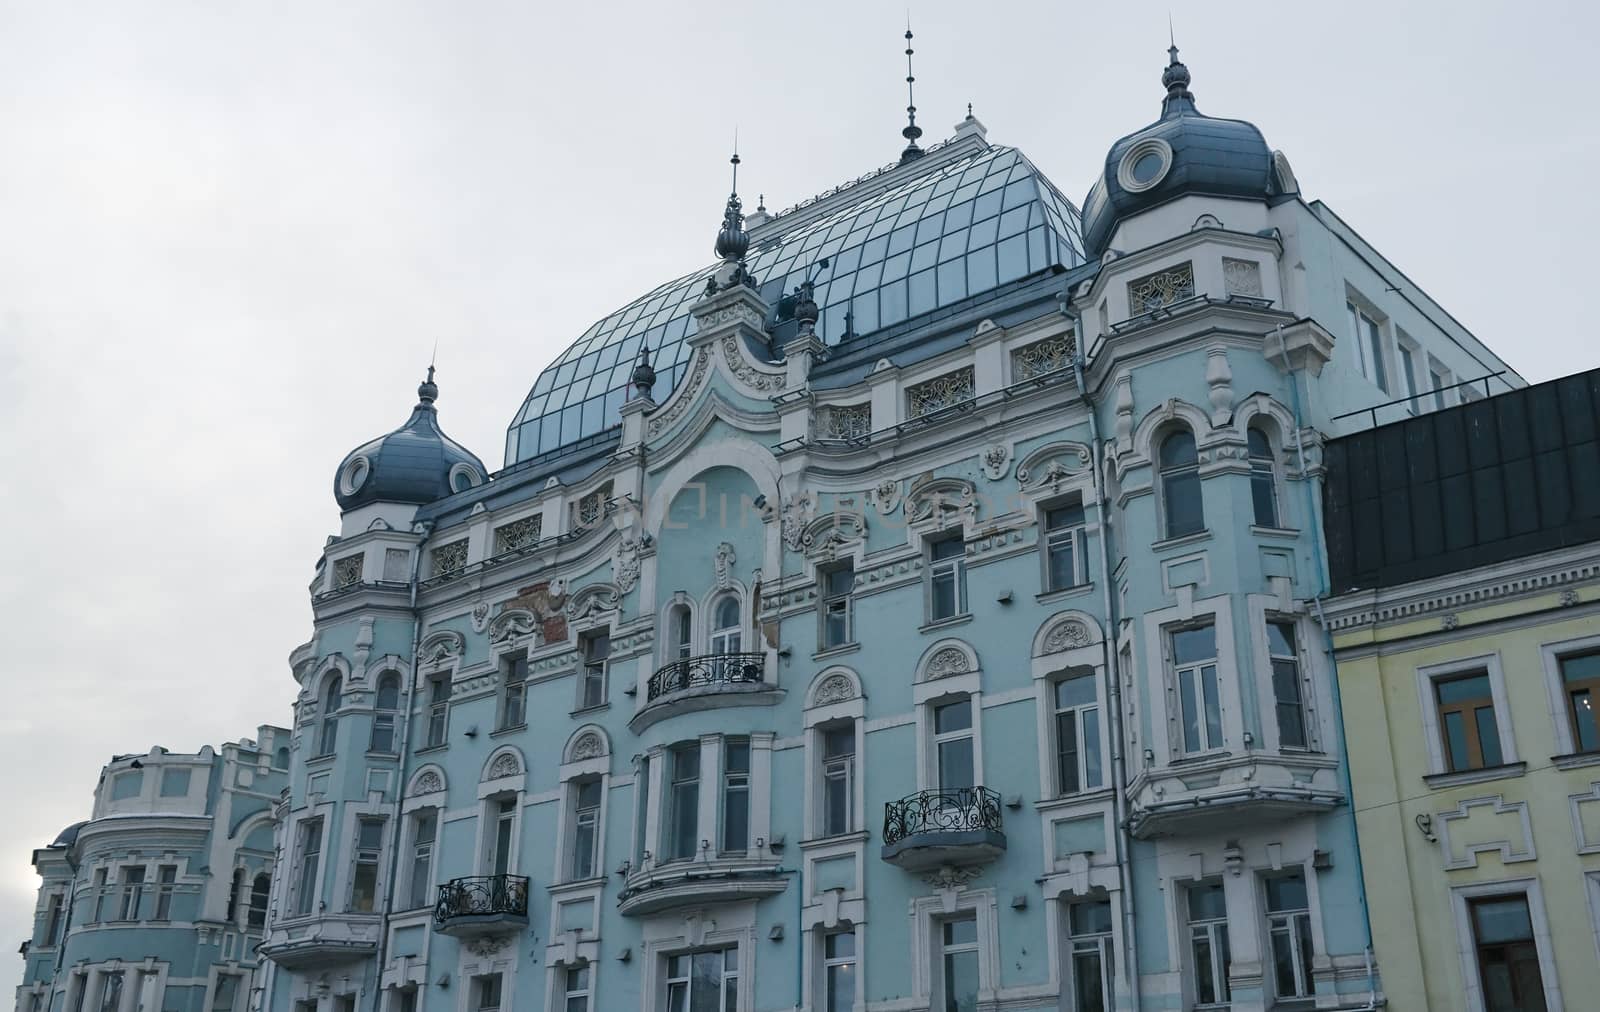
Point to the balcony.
(1222, 791)
(482, 905)
(703, 683)
(682, 885)
(319, 941)
(932, 828)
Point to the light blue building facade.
(157, 902)
(916, 609)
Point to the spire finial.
(912, 131)
(1175, 79)
(644, 375)
(427, 390)
(732, 240)
(761, 202)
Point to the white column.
(710, 794)
(761, 788)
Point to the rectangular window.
(1194, 661)
(369, 851)
(1369, 340)
(99, 889)
(111, 991)
(1209, 956)
(838, 779)
(255, 917)
(839, 971)
(310, 864)
(132, 893)
(682, 633)
(1408, 374)
(166, 881)
(837, 585)
(78, 986)
(596, 650)
(488, 992)
(405, 1000)
(425, 827)
(1077, 717)
(513, 691)
(1508, 956)
(585, 830)
(704, 981)
(958, 963)
(735, 795)
(505, 820)
(1467, 721)
(52, 931)
(1289, 927)
(947, 576)
(683, 802)
(226, 991)
(1286, 688)
(1580, 683)
(127, 785)
(175, 782)
(438, 709)
(577, 988)
(1439, 380)
(1065, 547)
(952, 736)
(1091, 966)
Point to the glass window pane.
(1013, 258)
(921, 293)
(1463, 690)
(1197, 644)
(1455, 740)
(952, 281)
(1488, 736)
(981, 271)
(952, 716)
(955, 764)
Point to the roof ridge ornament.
(644, 374)
(912, 131)
(733, 242)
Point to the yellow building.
(1469, 676)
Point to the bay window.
(683, 802)
(1077, 729)
(1286, 685)
(1193, 656)
(310, 858)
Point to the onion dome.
(1181, 154)
(416, 463)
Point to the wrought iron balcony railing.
(707, 669)
(482, 896)
(962, 810)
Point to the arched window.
(726, 637)
(1263, 479)
(234, 889)
(259, 890)
(330, 716)
(1180, 485)
(383, 714)
(680, 632)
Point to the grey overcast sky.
(230, 234)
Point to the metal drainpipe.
(400, 786)
(1108, 642)
(1338, 705)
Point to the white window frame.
(1078, 711)
(476, 992)
(1076, 535)
(1219, 969)
(584, 988)
(241, 987)
(829, 963)
(927, 694)
(1167, 738)
(594, 818)
(1429, 701)
(1369, 326)
(669, 802)
(678, 630)
(840, 769)
(817, 718)
(719, 639)
(372, 856)
(1550, 656)
(1163, 499)
(938, 738)
(494, 814)
(728, 978)
(955, 568)
(436, 709)
(1269, 467)
(415, 819)
(1105, 944)
(1303, 971)
(512, 699)
(1407, 355)
(594, 670)
(1315, 693)
(1439, 379)
(927, 951)
(1467, 945)
(946, 949)
(383, 717)
(731, 783)
(130, 894)
(328, 718)
(1196, 670)
(831, 602)
(165, 890)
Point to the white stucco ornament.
(996, 461)
(722, 565)
(835, 689)
(1067, 634)
(588, 746)
(949, 661)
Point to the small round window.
(1145, 165)
(355, 475)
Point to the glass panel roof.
(959, 229)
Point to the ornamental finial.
(1176, 80)
(644, 375)
(912, 131)
(732, 240)
(427, 391)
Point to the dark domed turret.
(1181, 154)
(416, 463)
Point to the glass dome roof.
(959, 229)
